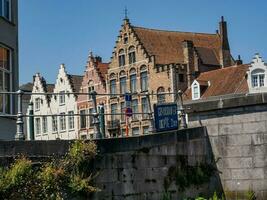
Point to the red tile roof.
(102, 69)
(167, 46)
(229, 80)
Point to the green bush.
(54, 180)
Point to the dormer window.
(121, 58)
(195, 91)
(132, 55)
(257, 78)
(5, 9)
(256, 75)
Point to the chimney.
(225, 55)
(188, 49)
(239, 61)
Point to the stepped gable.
(167, 46)
(48, 88)
(75, 81)
(229, 80)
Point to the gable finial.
(125, 13)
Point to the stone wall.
(237, 130)
(134, 167)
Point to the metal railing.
(20, 135)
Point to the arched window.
(90, 89)
(257, 78)
(133, 80)
(131, 55)
(121, 58)
(160, 96)
(143, 78)
(195, 91)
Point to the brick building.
(93, 79)
(156, 61)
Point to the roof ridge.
(154, 29)
(233, 66)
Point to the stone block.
(213, 130)
(254, 127)
(257, 173)
(239, 174)
(257, 139)
(237, 185)
(259, 149)
(259, 161)
(226, 119)
(237, 163)
(259, 185)
(226, 174)
(238, 151)
(247, 117)
(240, 139)
(229, 129)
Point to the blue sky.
(52, 32)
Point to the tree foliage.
(70, 176)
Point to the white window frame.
(44, 124)
(37, 104)
(135, 129)
(62, 122)
(257, 78)
(38, 126)
(54, 124)
(62, 98)
(113, 90)
(123, 84)
(83, 117)
(71, 120)
(195, 90)
(144, 87)
(135, 109)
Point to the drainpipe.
(150, 115)
(183, 117)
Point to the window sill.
(62, 104)
(55, 132)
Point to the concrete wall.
(134, 167)
(237, 130)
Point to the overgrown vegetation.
(185, 176)
(58, 179)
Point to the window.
(71, 120)
(113, 111)
(181, 78)
(144, 85)
(145, 130)
(135, 109)
(5, 9)
(44, 124)
(5, 80)
(113, 87)
(135, 131)
(123, 132)
(123, 85)
(62, 122)
(145, 107)
(121, 58)
(54, 123)
(37, 126)
(160, 97)
(122, 111)
(82, 119)
(62, 98)
(133, 83)
(131, 55)
(90, 89)
(195, 92)
(37, 104)
(125, 38)
(91, 118)
(258, 78)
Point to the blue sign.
(166, 117)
